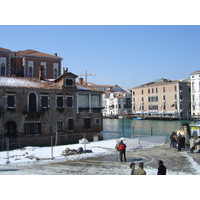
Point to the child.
(132, 166)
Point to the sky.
(125, 43)
(124, 55)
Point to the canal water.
(116, 128)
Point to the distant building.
(26, 63)
(116, 104)
(116, 101)
(195, 94)
(33, 109)
(163, 99)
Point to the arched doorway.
(10, 129)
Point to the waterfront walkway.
(177, 163)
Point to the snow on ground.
(30, 155)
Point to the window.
(95, 101)
(153, 107)
(3, 69)
(60, 126)
(83, 100)
(44, 70)
(69, 102)
(44, 101)
(55, 70)
(70, 124)
(3, 66)
(97, 121)
(163, 89)
(32, 128)
(30, 69)
(32, 102)
(59, 102)
(153, 99)
(55, 73)
(87, 123)
(69, 82)
(156, 90)
(11, 101)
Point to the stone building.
(163, 99)
(25, 63)
(34, 109)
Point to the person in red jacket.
(121, 147)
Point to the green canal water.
(113, 128)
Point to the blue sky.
(122, 55)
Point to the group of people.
(121, 147)
(140, 171)
(180, 140)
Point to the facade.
(116, 104)
(164, 99)
(33, 109)
(25, 63)
(195, 94)
(116, 101)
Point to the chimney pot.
(80, 81)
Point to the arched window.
(3, 69)
(30, 72)
(32, 102)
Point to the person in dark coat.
(122, 150)
(180, 141)
(161, 168)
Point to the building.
(195, 94)
(116, 104)
(34, 109)
(25, 63)
(162, 99)
(116, 101)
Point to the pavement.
(177, 163)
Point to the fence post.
(84, 135)
(51, 147)
(151, 130)
(133, 131)
(7, 150)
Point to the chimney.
(41, 69)
(55, 54)
(80, 81)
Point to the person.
(121, 147)
(172, 139)
(179, 142)
(140, 170)
(161, 168)
(132, 166)
(198, 144)
(192, 144)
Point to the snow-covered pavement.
(102, 160)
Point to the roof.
(196, 72)
(87, 88)
(4, 49)
(31, 52)
(150, 84)
(22, 82)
